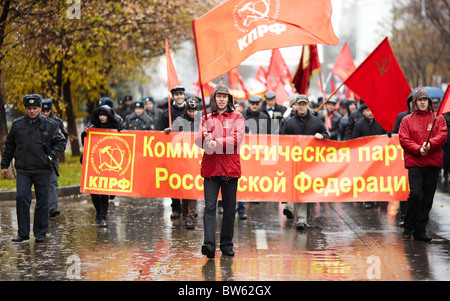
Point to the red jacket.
(414, 131)
(228, 130)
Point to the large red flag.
(344, 65)
(381, 84)
(172, 78)
(309, 63)
(445, 104)
(278, 71)
(235, 29)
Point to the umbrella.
(433, 92)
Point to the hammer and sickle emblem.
(113, 165)
(257, 11)
(383, 68)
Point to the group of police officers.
(263, 116)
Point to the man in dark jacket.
(353, 117)
(35, 142)
(273, 110)
(47, 105)
(331, 118)
(367, 126)
(176, 107)
(303, 123)
(256, 122)
(153, 112)
(138, 120)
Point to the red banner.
(274, 168)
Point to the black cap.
(177, 89)
(254, 98)
(32, 100)
(47, 104)
(138, 104)
(106, 101)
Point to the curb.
(10, 195)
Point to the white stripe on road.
(261, 240)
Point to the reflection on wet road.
(345, 242)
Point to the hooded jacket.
(112, 122)
(414, 131)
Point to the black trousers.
(228, 188)
(23, 203)
(101, 203)
(422, 183)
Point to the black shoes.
(288, 213)
(208, 251)
(103, 223)
(242, 215)
(23, 238)
(407, 234)
(228, 252)
(301, 226)
(54, 213)
(20, 238)
(420, 236)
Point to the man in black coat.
(303, 123)
(176, 108)
(256, 122)
(273, 110)
(367, 126)
(35, 142)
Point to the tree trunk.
(71, 121)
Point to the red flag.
(236, 83)
(261, 75)
(278, 71)
(381, 84)
(282, 95)
(445, 104)
(235, 29)
(172, 78)
(309, 62)
(344, 65)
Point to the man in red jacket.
(423, 160)
(220, 135)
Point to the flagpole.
(434, 121)
(199, 73)
(334, 92)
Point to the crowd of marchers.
(36, 158)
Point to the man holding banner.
(422, 135)
(220, 135)
(303, 123)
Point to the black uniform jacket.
(31, 145)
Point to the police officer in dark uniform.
(35, 142)
(153, 112)
(47, 106)
(138, 120)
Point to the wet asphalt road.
(345, 242)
